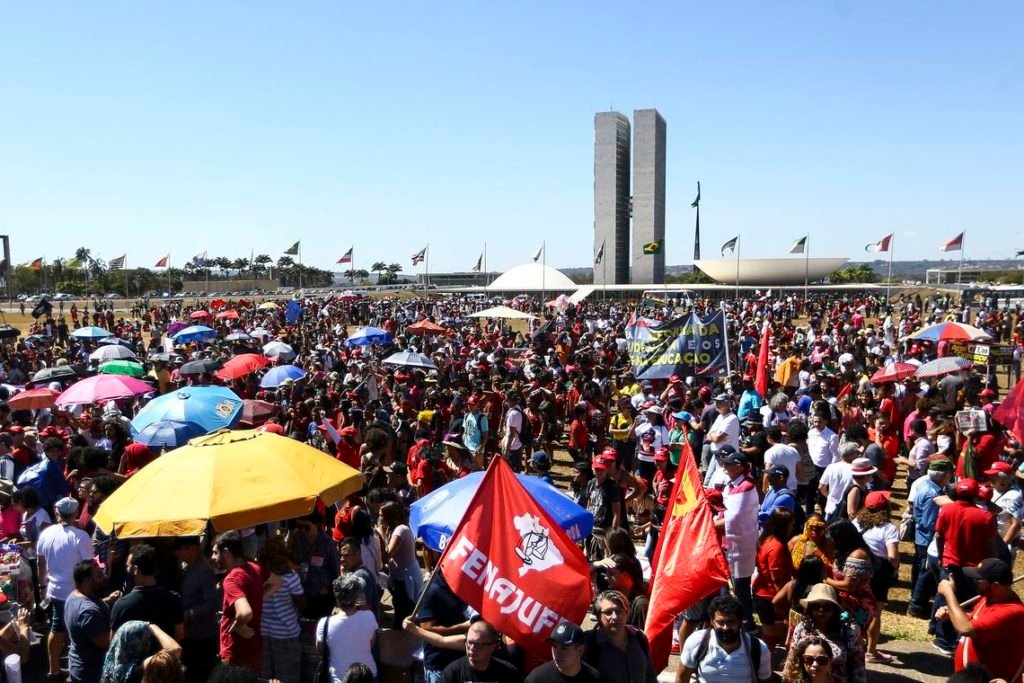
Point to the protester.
(823, 619)
(619, 651)
(479, 663)
(348, 636)
(148, 601)
(723, 652)
(200, 646)
(774, 571)
(883, 541)
(566, 665)
(810, 661)
(87, 620)
(242, 606)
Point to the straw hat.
(821, 592)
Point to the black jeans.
(742, 589)
(945, 634)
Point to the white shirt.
(823, 445)
(878, 538)
(729, 425)
(62, 546)
(660, 440)
(514, 420)
(781, 454)
(837, 477)
(348, 641)
(1011, 506)
(741, 508)
(719, 665)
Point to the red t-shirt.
(996, 640)
(986, 451)
(579, 435)
(773, 562)
(244, 581)
(966, 530)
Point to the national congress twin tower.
(617, 210)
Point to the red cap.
(675, 379)
(967, 488)
(985, 492)
(986, 393)
(748, 378)
(877, 500)
(661, 455)
(271, 427)
(16, 429)
(599, 464)
(609, 452)
(999, 467)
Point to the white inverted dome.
(532, 277)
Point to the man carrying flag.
(510, 561)
(688, 561)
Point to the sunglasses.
(820, 660)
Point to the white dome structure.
(768, 271)
(532, 277)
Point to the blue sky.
(143, 128)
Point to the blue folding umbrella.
(275, 376)
(91, 332)
(194, 333)
(211, 408)
(168, 434)
(435, 516)
(365, 336)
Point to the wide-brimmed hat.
(862, 467)
(821, 592)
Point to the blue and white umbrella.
(365, 336)
(211, 408)
(115, 340)
(194, 333)
(435, 516)
(238, 336)
(410, 359)
(111, 352)
(276, 376)
(91, 332)
(168, 434)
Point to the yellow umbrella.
(230, 479)
(267, 305)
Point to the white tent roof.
(532, 277)
(503, 312)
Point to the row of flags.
(882, 245)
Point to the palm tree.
(240, 265)
(379, 267)
(393, 270)
(262, 262)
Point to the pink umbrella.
(199, 315)
(103, 388)
(34, 399)
(231, 314)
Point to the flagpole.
(737, 270)
(486, 283)
(207, 267)
(888, 281)
(124, 270)
(300, 268)
(543, 279)
(426, 267)
(960, 268)
(168, 266)
(696, 233)
(807, 265)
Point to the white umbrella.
(111, 352)
(278, 350)
(410, 359)
(503, 312)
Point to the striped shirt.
(280, 617)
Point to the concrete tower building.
(611, 198)
(649, 137)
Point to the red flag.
(1010, 413)
(761, 379)
(511, 562)
(688, 561)
(162, 263)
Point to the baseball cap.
(967, 488)
(877, 500)
(661, 454)
(722, 398)
(675, 379)
(567, 633)
(999, 467)
(599, 464)
(540, 459)
(66, 507)
(778, 470)
(940, 465)
(985, 492)
(990, 570)
(657, 410)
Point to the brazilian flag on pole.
(653, 248)
(293, 250)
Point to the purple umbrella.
(103, 388)
(174, 328)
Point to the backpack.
(750, 644)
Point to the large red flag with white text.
(510, 561)
(688, 560)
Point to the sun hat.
(821, 592)
(862, 467)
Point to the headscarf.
(806, 547)
(136, 456)
(128, 651)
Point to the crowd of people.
(802, 478)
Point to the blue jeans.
(945, 634)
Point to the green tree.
(263, 262)
(391, 272)
(379, 267)
(861, 273)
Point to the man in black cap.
(778, 494)
(991, 632)
(566, 665)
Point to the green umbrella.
(123, 367)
